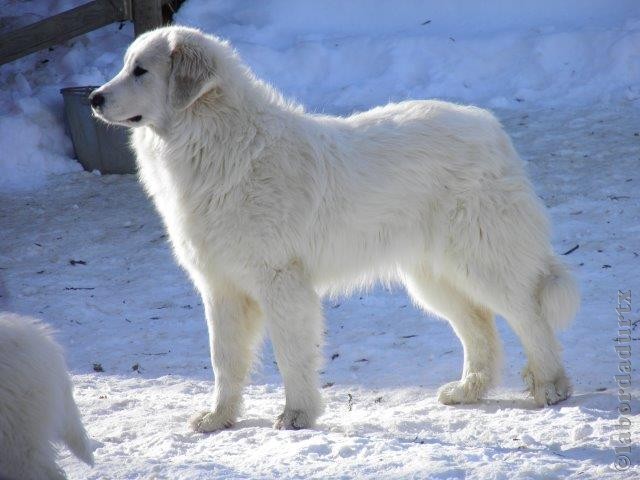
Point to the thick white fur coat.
(36, 403)
(269, 207)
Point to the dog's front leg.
(294, 319)
(234, 323)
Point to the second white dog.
(269, 207)
(36, 403)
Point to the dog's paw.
(205, 422)
(469, 390)
(547, 393)
(293, 420)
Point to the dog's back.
(36, 402)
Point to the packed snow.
(89, 255)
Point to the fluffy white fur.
(269, 207)
(36, 403)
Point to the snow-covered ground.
(563, 76)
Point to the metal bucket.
(98, 146)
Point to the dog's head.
(165, 71)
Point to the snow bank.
(336, 56)
(33, 144)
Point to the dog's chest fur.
(217, 197)
(194, 209)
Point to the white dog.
(269, 207)
(36, 403)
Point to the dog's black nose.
(96, 99)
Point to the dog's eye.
(138, 71)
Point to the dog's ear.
(192, 74)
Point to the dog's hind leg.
(531, 307)
(293, 314)
(532, 303)
(234, 322)
(544, 373)
(475, 327)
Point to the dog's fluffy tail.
(74, 435)
(559, 295)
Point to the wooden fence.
(146, 15)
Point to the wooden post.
(147, 15)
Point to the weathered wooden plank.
(147, 15)
(59, 28)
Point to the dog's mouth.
(127, 121)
